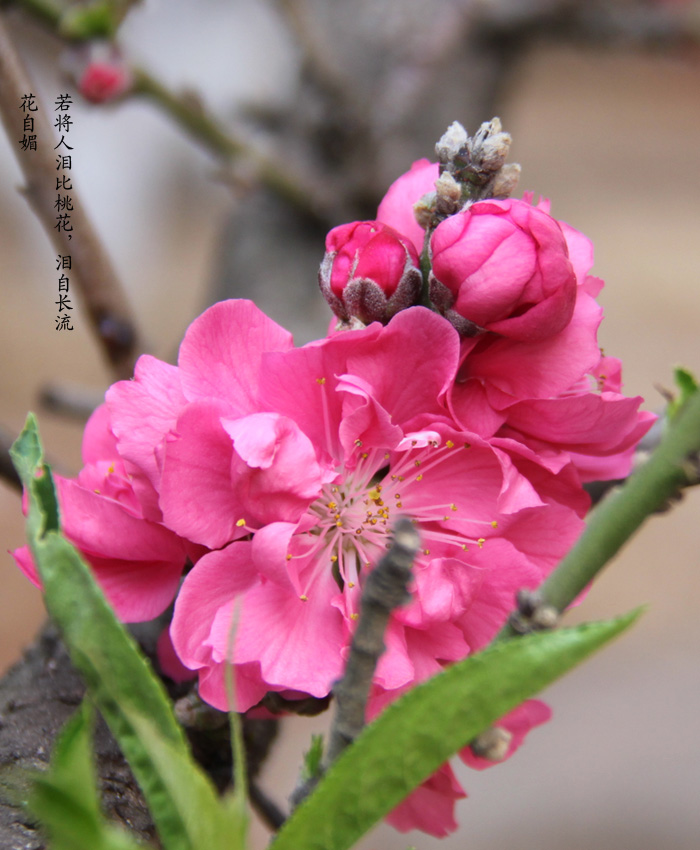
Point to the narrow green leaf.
(130, 696)
(236, 802)
(65, 798)
(420, 731)
(28, 459)
(213, 824)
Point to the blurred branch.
(48, 12)
(318, 65)
(70, 400)
(189, 113)
(103, 297)
(594, 21)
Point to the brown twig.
(103, 297)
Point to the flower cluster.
(275, 473)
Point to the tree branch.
(91, 269)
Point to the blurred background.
(603, 102)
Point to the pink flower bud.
(503, 266)
(369, 272)
(101, 82)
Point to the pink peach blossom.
(503, 266)
(396, 208)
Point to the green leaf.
(28, 459)
(687, 385)
(133, 701)
(65, 798)
(84, 23)
(420, 731)
(213, 824)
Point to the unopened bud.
(545, 617)
(490, 146)
(99, 70)
(506, 181)
(369, 272)
(451, 142)
(493, 744)
(424, 209)
(449, 195)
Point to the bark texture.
(37, 696)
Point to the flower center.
(353, 517)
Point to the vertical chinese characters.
(28, 105)
(64, 207)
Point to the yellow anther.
(339, 523)
(416, 462)
(401, 478)
(358, 443)
(354, 616)
(373, 522)
(414, 442)
(304, 597)
(97, 491)
(419, 477)
(397, 495)
(374, 494)
(336, 516)
(240, 523)
(450, 444)
(399, 504)
(481, 541)
(426, 551)
(320, 380)
(453, 507)
(332, 506)
(351, 584)
(110, 470)
(289, 557)
(386, 455)
(494, 524)
(359, 530)
(464, 548)
(334, 558)
(365, 455)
